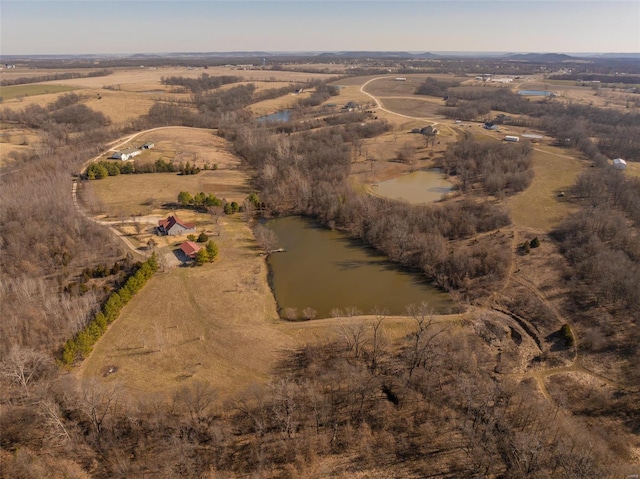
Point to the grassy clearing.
(216, 323)
(539, 206)
(20, 91)
(418, 107)
(273, 105)
(128, 195)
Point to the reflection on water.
(324, 269)
(424, 186)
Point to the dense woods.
(425, 406)
(202, 83)
(307, 174)
(499, 169)
(45, 242)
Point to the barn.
(125, 155)
(619, 164)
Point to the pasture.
(127, 195)
(215, 323)
(539, 206)
(19, 92)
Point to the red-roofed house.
(190, 249)
(174, 226)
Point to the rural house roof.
(189, 248)
(173, 220)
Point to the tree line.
(54, 77)
(82, 343)
(203, 83)
(616, 133)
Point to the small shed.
(514, 139)
(190, 249)
(619, 164)
(147, 146)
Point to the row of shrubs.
(78, 347)
(102, 169)
(202, 201)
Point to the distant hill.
(540, 57)
(371, 54)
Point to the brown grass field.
(215, 323)
(128, 195)
(539, 206)
(417, 107)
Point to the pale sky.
(130, 26)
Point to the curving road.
(380, 107)
(114, 145)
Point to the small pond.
(423, 186)
(535, 93)
(323, 269)
(277, 117)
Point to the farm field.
(127, 195)
(20, 91)
(418, 107)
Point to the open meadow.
(136, 194)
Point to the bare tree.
(265, 237)
(24, 365)
(353, 335)
(420, 347)
(197, 399)
(378, 338)
(97, 402)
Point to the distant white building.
(619, 164)
(125, 155)
(512, 138)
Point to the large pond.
(423, 186)
(323, 270)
